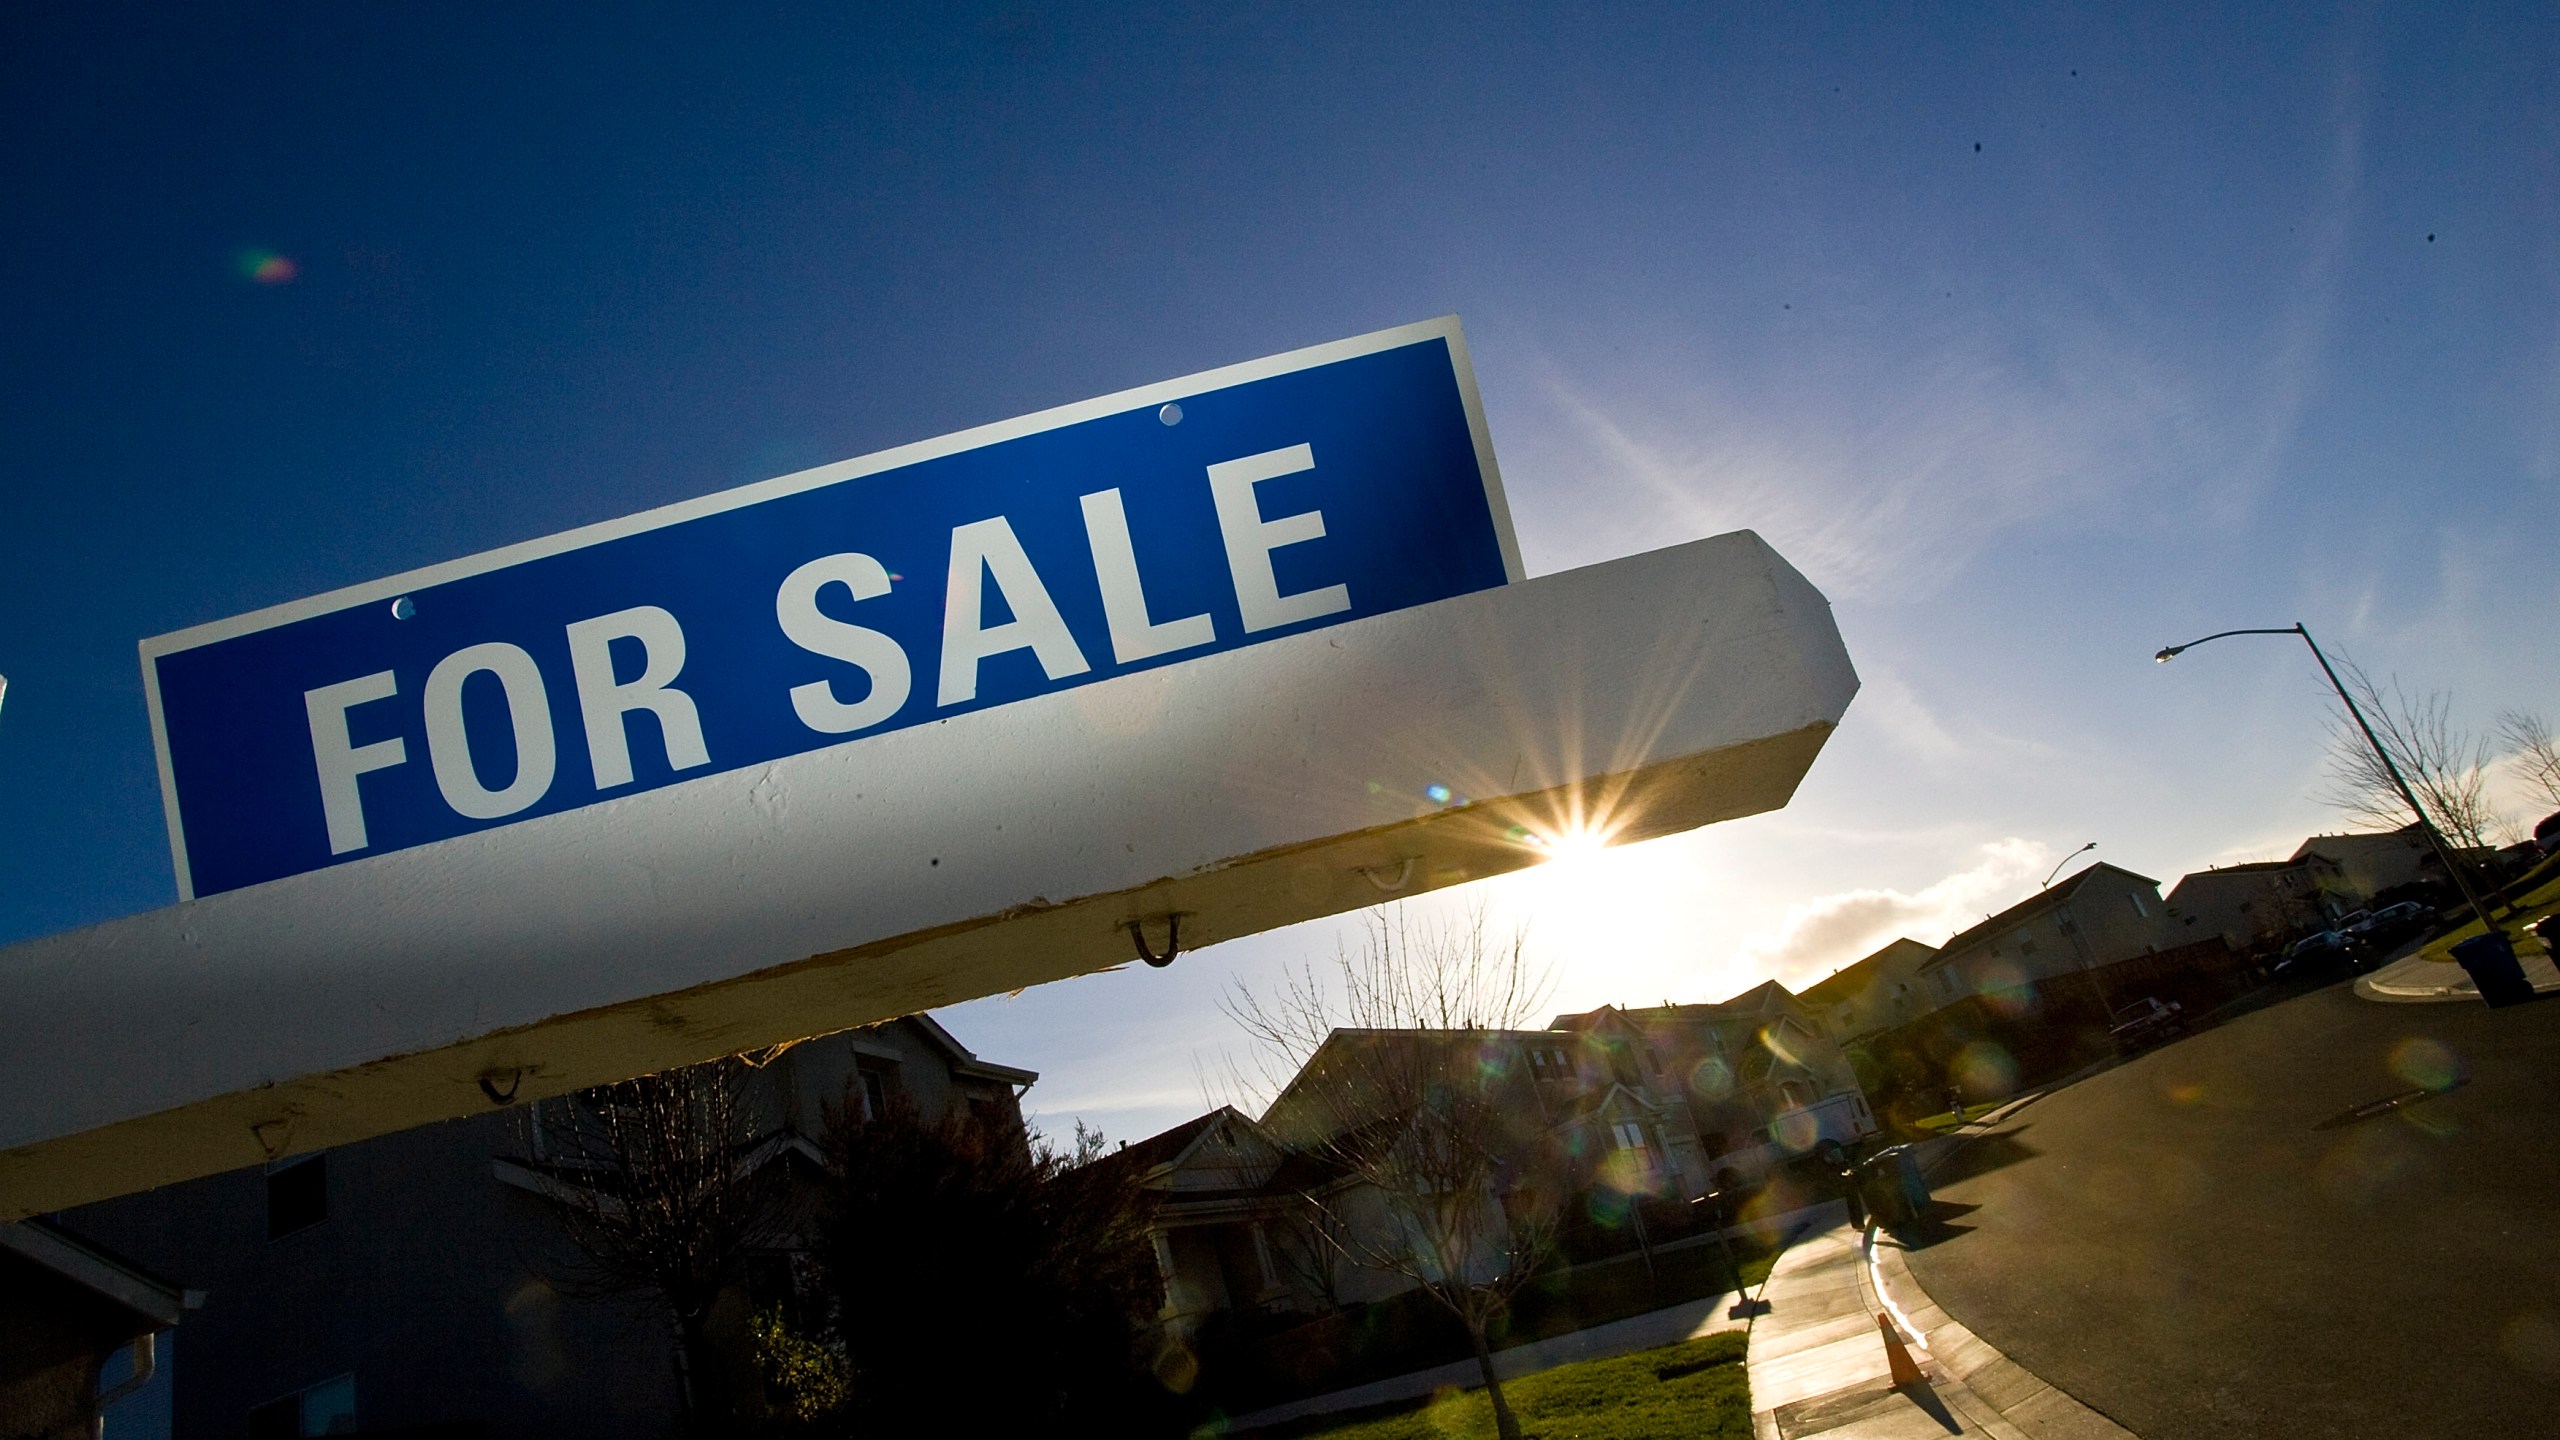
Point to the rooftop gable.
(1992, 926)
(1847, 981)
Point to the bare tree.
(1386, 1067)
(2446, 766)
(660, 1184)
(2534, 754)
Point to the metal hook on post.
(1172, 940)
(515, 1082)
(1404, 875)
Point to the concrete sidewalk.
(2419, 979)
(1819, 1365)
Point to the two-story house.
(1881, 991)
(2256, 905)
(423, 1281)
(2054, 944)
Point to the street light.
(2444, 852)
(2067, 859)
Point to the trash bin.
(2491, 959)
(1893, 1187)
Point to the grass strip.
(1694, 1390)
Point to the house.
(1758, 1078)
(1597, 1111)
(2366, 864)
(2259, 904)
(67, 1307)
(423, 1281)
(1877, 993)
(1228, 1216)
(2054, 939)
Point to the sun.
(1575, 845)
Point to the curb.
(1967, 1386)
(2029, 1404)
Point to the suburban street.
(2225, 1237)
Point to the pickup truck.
(2146, 1021)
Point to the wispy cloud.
(1822, 934)
(1946, 451)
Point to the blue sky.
(2039, 337)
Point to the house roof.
(1848, 980)
(95, 1269)
(1297, 1171)
(965, 1061)
(2407, 837)
(1166, 1146)
(2027, 909)
(1347, 1040)
(2246, 867)
(1764, 999)
(1599, 1102)
(2254, 873)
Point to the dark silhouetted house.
(1599, 1110)
(424, 1280)
(68, 1306)
(2060, 936)
(1229, 1219)
(1877, 993)
(1741, 1086)
(2257, 905)
(2364, 865)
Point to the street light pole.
(2067, 859)
(2452, 868)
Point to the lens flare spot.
(1985, 1070)
(1177, 1369)
(1712, 1079)
(1797, 1130)
(2531, 1343)
(2006, 989)
(2427, 1064)
(1438, 794)
(2191, 1093)
(266, 267)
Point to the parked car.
(2546, 835)
(2317, 952)
(2348, 923)
(2393, 920)
(2146, 1021)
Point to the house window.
(297, 1195)
(2138, 907)
(328, 1408)
(875, 1095)
(1629, 1134)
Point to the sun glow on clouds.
(1820, 935)
(1666, 920)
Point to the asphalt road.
(2203, 1242)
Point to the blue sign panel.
(1140, 530)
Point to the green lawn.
(1695, 1390)
(2541, 901)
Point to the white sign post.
(1200, 775)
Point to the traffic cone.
(1896, 1354)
